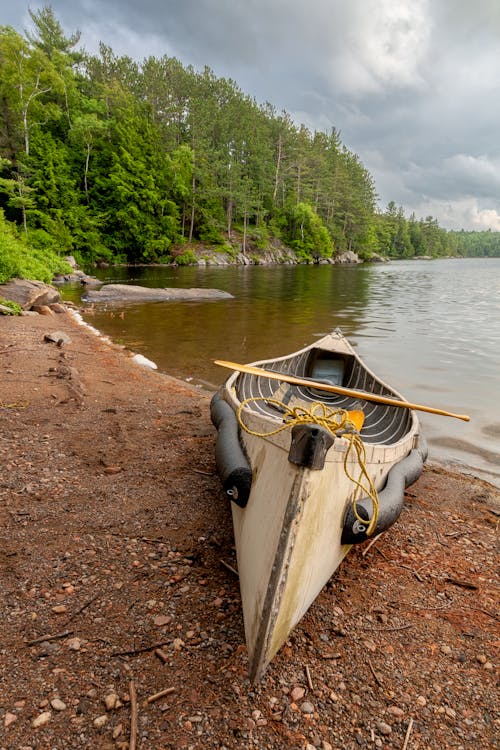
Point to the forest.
(112, 160)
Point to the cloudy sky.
(412, 85)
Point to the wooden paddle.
(363, 395)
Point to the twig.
(377, 679)
(381, 553)
(309, 678)
(53, 637)
(161, 694)
(407, 736)
(161, 655)
(229, 567)
(133, 716)
(82, 608)
(369, 546)
(394, 629)
(203, 473)
(459, 582)
(407, 567)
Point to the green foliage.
(113, 160)
(307, 235)
(11, 305)
(23, 261)
(186, 259)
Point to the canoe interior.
(383, 425)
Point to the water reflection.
(431, 329)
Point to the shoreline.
(117, 544)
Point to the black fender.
(391, 498)
(232, 464)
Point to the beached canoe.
(309, 472)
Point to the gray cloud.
(412, 85)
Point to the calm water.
(429, 328)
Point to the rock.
(42, 309)
(307, 708)
(162, 620)
(101, 721)
(69, 259)
(57, 307)
(383, 728)
(41, 719)
(57, 337)
(9, 719)
(4, 310)
(74, 644)
(129, 293)
(59, 609)
(110, 701)
(347, 258)
(58, 705)
(29, 293)
(297, 693)
(395, 711)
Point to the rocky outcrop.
(29, 294)
(347, 258)
(129, 293)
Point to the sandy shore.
(116, 582)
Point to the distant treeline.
(112, 160)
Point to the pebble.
(395, 711)
(421, 701)
(74, 644)
(307, 708)
(117, 731)
(110, 701)
(162, 620)
(384, 728)
(9, 719)
(101, 721)
(58, 705)
(297, 693)
(59, 609)
(446, 650)
(41, 719)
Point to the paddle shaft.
(363, 395)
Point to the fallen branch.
(53, 637)
(407, 736)
(161, 694)
(229, 567)
(370, 545)
(377, 679)
(309, 678)
(133, 716)
(462, 583)
(161, 655)
(81, 609)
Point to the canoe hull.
(288, 536)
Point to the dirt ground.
(120, 613)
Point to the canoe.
(310, 473)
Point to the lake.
(429, 328)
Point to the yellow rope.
(337, 422)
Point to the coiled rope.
(339, 423)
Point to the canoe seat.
(327, 369)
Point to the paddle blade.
(357, 418)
